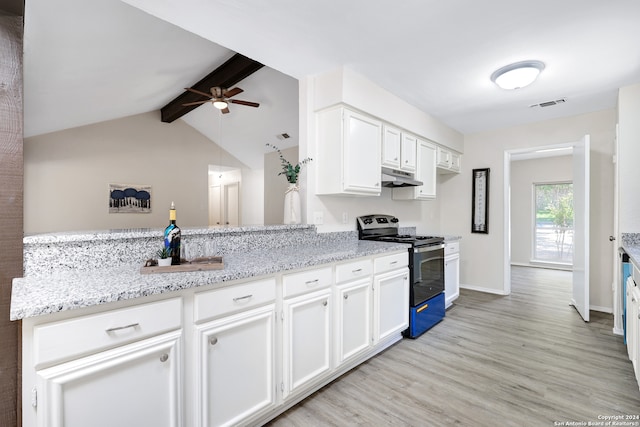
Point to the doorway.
(224, 196)
(579, 152)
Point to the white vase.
(292, 205)
(164, 262)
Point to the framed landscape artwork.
(129, 198)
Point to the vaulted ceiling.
(93, 61)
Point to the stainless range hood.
(396, 178)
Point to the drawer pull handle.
(393, 262)
(312, 282)
(356, 271)
(164, 357)
(241, 298)
(119, 328)
(213, 340)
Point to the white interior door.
(580, 297)
(232, 204)
(215, 205)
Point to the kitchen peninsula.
(292, 310)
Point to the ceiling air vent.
(549, 103)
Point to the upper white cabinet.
(398, 149)
(391, 138)
(425, 172)
(447, 161)
(348, 153)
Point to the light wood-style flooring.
(526, 359)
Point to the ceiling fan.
(220, 98)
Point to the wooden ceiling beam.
(227, 75)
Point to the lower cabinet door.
(306, 339)
(353, 306)
(390, 303)
(236, 371)
(129, 386)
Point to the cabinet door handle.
(312, 282)
(324, 303)
(164, 357)
(118, 328)
(346, 296)
(213, 340)
(236, 299)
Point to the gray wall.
(67, 174)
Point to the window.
(553, 228)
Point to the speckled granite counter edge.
(67, 290)
(631, 245)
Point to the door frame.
(531, 152)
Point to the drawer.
(353, 270)
(93, 333)
(306, 281)
(390, 262)
(220, 302)
(451, 248)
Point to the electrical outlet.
(345, 217)
(318, 217)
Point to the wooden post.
(11, 210)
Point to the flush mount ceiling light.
(517, 75)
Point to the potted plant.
(164, 257)
(291, 197)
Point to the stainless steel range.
(426, 268)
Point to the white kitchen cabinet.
(348, 159)
(353, 309)
(235, 372)
(390, 296)
(391, 138)
(425, 172)
(102, 364)
(447, 161)
(133, 385)
(451, 272)
(306, 328)
(408, 152)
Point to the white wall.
(66, 174)
(482, 255)
(362, 94)
(276, 185)
(524, 173)
(628, 157)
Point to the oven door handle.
(428, 248)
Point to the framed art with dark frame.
(480, 201)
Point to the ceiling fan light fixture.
(517, 75)
(220, 104)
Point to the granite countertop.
(61, 290)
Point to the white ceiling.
(87, 62)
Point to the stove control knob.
(368, 220)
(394, 219)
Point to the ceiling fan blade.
(208, 95)
(196, 103)
(247, 103)
(232, 92)
(225, 111)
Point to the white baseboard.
(608, 310)
(617, 331)
(483, 289)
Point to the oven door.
(427, 270)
